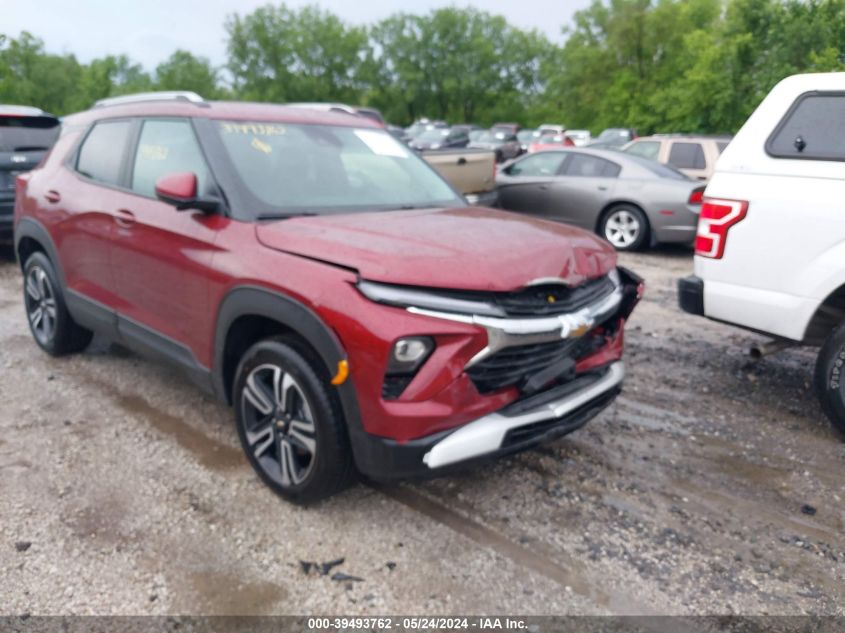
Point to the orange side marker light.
(342, 373)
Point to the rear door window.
(28, 133)
(167, 146)
(588, 166)
(687, 156)
(813, 128)
(101, 155)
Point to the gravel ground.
(712, 486)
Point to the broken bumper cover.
(517, 427)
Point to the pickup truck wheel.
(51, 325)
(625, 227)
(289, 423)
(830, 377)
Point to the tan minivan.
(693, 155)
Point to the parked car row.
(507, 140)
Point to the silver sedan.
(630, 201)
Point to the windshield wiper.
(285, 216)
(410, 207)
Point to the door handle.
(602, 188)
(124, 218)
(462, 161)
(543, 187)
(52, 196)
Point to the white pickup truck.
(472, 172)
(770, 248)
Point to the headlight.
(405, 297)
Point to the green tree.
(184, 71)
(30, 76)
(459, 64)
(281, 54)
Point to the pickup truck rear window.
(812, 129)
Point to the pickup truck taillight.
(715, 220)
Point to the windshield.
(525, 135)
(296, 169)
(433, 135)
(27, 133)
(614, 135)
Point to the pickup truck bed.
(472, 172)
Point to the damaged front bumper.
(508, 427)
(546, 409)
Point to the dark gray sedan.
(630, 201)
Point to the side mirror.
(180, 190)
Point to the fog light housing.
(406, 357)
(408, 354)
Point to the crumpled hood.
(467, 248)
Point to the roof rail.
(18, 110)
(139, 97)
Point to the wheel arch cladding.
(248, 306)
(31, 237)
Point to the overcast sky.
(150, 30)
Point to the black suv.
(26, 135)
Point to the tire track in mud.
(211, 453)
(571, 574)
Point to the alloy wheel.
(278, 425)
(41, 305)
(622, 228)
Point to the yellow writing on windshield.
(253, 129)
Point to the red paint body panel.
(168, 271)
(496, 250)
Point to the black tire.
(308, 412)
(625, 226)
(829, 379)
(51, 325)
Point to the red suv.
(318, 276)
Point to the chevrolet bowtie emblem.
(551, 299)
(579, 331)
(574, 325)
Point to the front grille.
(514, 366)
(553, 299)
(539, 301)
